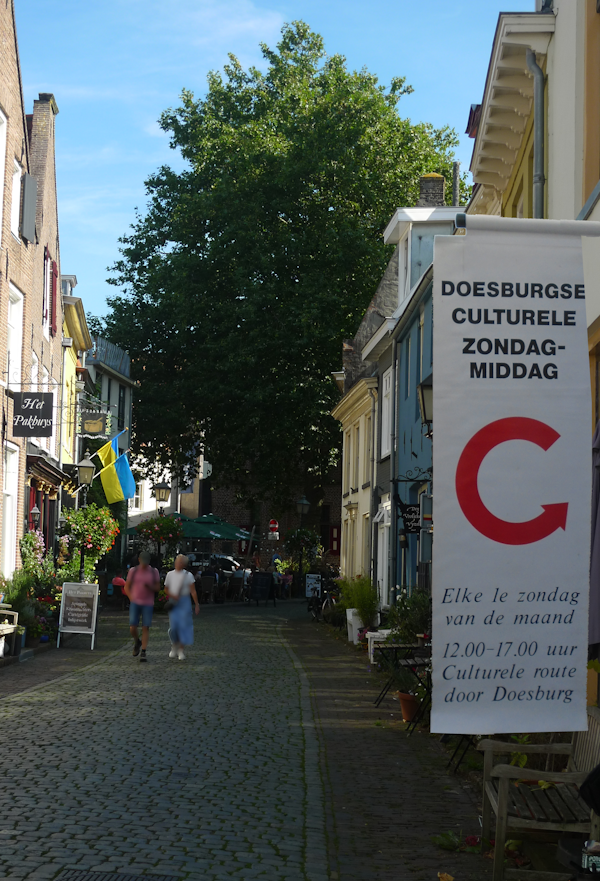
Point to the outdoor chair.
(518, 804)
(207, 588)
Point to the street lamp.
(35, 514)
(162, 491)
(425, 393)
(85, 476)
(302, 507)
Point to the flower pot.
(409, 706)
(354, 624)
(18, 645)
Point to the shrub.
(411, 615)
(20, 590)
(360, 594)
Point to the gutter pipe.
(538, 134)
(393, 512)
(373, 566)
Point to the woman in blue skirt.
(181, 590)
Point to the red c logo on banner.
(467, 472)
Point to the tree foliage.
(247, 270)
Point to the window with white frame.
(137, 502)
(35, 378)
(15, 205)
(46, 293)
(356, 451)
(3, 130)
(383, 520)
(14, 342)
(368, 450)
(366, 541)
(347, 460)
(10, 490)
(386, 413)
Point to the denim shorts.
(135, 610)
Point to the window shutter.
(29, 208)
(53, 297)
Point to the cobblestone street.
(216, 767)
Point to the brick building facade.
(30, 303)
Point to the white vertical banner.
(512, 478)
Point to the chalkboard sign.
(78, 610)
(313, 585)
(262, 587)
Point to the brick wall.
(29, 141)
(16, 256)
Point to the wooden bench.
(526, 806)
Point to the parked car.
(224, 562)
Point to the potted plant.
(409, 705)
(19, 640)
(362, 606)
(410, 616)
(34, 633)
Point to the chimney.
(431, 190)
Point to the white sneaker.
(181, 655)
(173, 652)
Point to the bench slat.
(556, 807)
(577, 807)
(540, 810)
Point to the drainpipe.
(456, 184)
(372, 566)
(538, 134)
(393, 488)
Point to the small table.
(374, 636)
(413, 658)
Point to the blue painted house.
(393, 350)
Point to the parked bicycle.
(321, 603)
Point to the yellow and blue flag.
(116, 476)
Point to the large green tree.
(247, 270)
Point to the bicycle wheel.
(315, 609)
(328, 609)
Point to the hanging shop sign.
(512, 466)
(78, 610)
(93, 424)
(32, 414)
(411, 515)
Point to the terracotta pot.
(409, 706)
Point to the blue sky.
(114, 66)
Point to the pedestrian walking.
(181, 589)
(143, 583)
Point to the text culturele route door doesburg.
(512, 479)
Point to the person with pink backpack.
(142, 585)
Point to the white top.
(179, 582)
